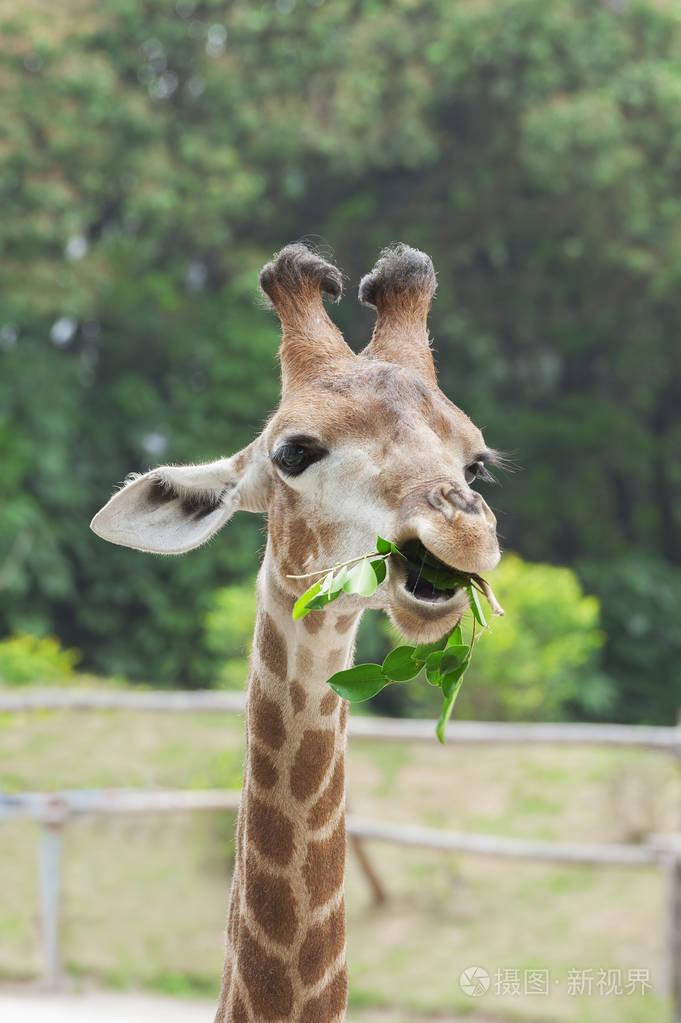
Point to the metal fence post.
(50, 856)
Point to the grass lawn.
(144, 899)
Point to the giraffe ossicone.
(360, 444)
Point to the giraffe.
(359, 445)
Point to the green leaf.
(386, 547)
(433, 668)
(443, 578)
(476, 607)
(339, 580)
(453, 656)
(361, 579)
(455, 636)
(359, 683)
(446, 713)
(451, 678)
(325, 583)
(380, 570)
(423, 650)
(400, 665)
(321, 600)
(300, 608)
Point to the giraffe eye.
(477, 471)
(294, 458)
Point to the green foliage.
(444, 661)
(640, 600)
(150, 163)
(359, 683)
(32, 660)
(228, 630)
(541, 661)
(358, 575)
(400, 666)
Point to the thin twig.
(487, 591)
(341, 564)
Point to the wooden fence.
(388, 729)
(53, 810)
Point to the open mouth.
(427, 578)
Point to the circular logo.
(474, 981)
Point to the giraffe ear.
(175, 508)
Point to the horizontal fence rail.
(178, 700)
(667, 739)
(56, 807)
(53, 810)
(499, 845)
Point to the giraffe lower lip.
(432, 596)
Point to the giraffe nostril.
(449, 497)
(462, 498)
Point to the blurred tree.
(538, 663)
(153, 155)
(229, 626)
(640, 599)
(31, 660)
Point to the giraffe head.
(360, 445)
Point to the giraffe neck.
(285, 958)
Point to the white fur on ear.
(175, 508)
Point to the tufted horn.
(400, 288)
(295, 281)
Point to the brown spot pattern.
(311, 762)
(290, 498)
(264, 771)
(239, 1011)
(313, 622)
(266, 979)
(324, 866)
(344, 714)
(267, 721)
(298, 697)
(329, 1004)
(302, 542)
(321, 811)
(305, 661)
(335, 658)
(321, 946)
(270, 831)
(329, 702)
(345, 622)
(328, 534)
(271, 901)
(271, 646)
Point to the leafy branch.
(367, 573)
(444, 661)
